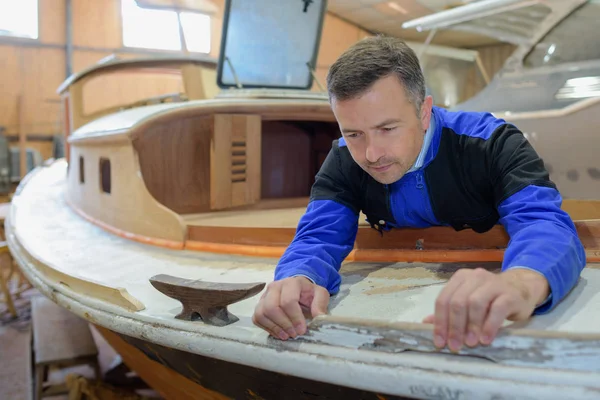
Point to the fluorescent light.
(465, 13)
(397, 7)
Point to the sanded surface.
(386, 292)
(15, 365)
(59, 334)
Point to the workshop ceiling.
(387, 17)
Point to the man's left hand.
(475, 302)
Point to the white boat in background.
(549, 87)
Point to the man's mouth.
(381, 168)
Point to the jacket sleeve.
(543, 237)
(326, 232)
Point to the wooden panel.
(83, 59)
(582, 209)
(337, 36)
(285, 162)
(127, 87)
(220, 162)
(34, 74)
(235, 160)
(10, 87)
(97, 23)
(293, 153)
(216, 29)
(254, 157)
(174, 160)
(52, 21)
(126, 209)
(42, 70)
(492, 58)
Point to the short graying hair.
(371, 59)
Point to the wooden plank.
(254, 158)
(582, 209)
(220, 162)
(52, 342)
(512, 346)
(238, 193)
(192, 81)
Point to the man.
(405, 163)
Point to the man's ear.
(426, 112)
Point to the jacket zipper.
(420, 184)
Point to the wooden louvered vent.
(235, 160)
(238, 161)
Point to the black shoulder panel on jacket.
(471, 176)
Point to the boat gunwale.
(416, 366)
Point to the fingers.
(279, 311)
(429, 319)
(270, 316)
(472, 308)
(290, 304)
(502, 306)
(479, 305)
(260, 320)
(442, 305)
(459, 306)
(320, 301)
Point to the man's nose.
(374, 150)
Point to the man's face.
(382, 130)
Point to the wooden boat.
(188, 196)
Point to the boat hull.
(176, 374)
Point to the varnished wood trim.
(358, 254)
(170, 244)
(441, 244)
(170, 384)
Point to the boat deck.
(105, 278)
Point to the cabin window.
(572, 40)
(19, 19)
(159, 29)
(105, 183)
(81, 170)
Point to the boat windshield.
(572, 40)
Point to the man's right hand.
(279, 310)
